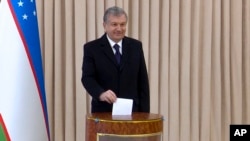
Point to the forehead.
(117, 18)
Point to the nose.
(119, 27)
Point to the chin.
(119, 37)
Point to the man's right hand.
(108, 96)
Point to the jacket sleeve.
(144, 105)
(88, 74)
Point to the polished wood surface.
(135, 124)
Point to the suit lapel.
(107, 50)
(125, 53)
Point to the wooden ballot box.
(135, 127)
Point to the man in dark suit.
(109, 73)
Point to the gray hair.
(114, 11)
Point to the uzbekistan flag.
(23, 108)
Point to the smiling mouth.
(118, 34)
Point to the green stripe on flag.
(4, 136)
(2, 133)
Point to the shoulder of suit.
(131, 40)
(93, 42)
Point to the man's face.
(115, 27)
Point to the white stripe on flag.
(20, 103)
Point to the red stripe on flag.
(4, 128)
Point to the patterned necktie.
(117, 53)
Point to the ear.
(104, 26)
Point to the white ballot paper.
(122, 106)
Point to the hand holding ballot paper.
(122, 106)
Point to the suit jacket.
(100, 72)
